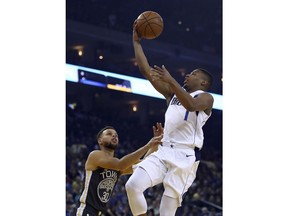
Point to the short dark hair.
(103, 129)
(209, 76)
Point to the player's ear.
(99, 140)
(204, 83)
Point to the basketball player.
(102, 169)
(176, 161)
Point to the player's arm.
(203, 101)
(102, 159)
(129, 170)
(157, 131)
(144, 67)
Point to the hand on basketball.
(136, 36)
(161, 74)
(149, 25)
(158, 129)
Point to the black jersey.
(98, 187)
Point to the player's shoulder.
(92, 160)
(201, 93)
(208, 95)
(95, 153)
(207, 98)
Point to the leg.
(168, 206)
(177, 181)
(135, 186)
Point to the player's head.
(107, 137)
(198, 79)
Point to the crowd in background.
(204, 198)
(200, 28)
(191, 24)
(191, 19)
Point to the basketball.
(149, 25)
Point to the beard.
(110, 146)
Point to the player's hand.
(155, 141)
(136, 36)
(158, 129)
(161, 73)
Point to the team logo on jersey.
(106, 186)
(175, 101)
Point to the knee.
(138, 182)
(130, 186)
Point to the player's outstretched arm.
(157, 131)
(203, 102)
(104, 160)
(145, 68)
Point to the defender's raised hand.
(158, 129)
(155, 141)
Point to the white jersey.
(182, 126)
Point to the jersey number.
(105, 196)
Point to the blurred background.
(99, 36)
